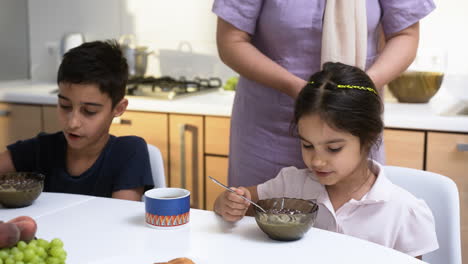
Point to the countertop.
(219, 103)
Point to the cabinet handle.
(462, 147)
(120, 121)
(183, 165)
(5, 112)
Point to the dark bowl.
(20, 189)
(279, 223)
(416, 86)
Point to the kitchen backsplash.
(182, 33)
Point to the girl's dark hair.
(357, 111)
(97, 62)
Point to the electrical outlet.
(52, 48)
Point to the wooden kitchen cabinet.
(404, 148)
(216, 156)
(153, 127)
(447, 154)
(216, 167)
(186, 156)
(17, 122)
(50, 122)
(217, 135)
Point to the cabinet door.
(216, 167)
(404, 148)
(186, 156)
(153, 127)
(18, 122)
(447, 154)
(217, 135)
(50, 120)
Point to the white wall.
(14, 55)
(50, 20)
(445, 31)
(162, 25)
(159, 24)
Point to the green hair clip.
(354, 87)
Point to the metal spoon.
(227, 188)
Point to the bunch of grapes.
(38, 251)
(231, 84)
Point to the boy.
(84, 158)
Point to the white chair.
(157, 166)
(441, 195)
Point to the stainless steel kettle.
(137, 56)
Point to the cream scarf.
(344, 37)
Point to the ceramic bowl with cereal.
(286, 219)
(20, 189)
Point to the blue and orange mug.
(167, 208)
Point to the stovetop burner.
(169, 88)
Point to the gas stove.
(169, 88)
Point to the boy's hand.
(230, 206)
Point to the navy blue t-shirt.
(122, 164)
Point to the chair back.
(157, 166)
(441, 195)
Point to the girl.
(338, 118)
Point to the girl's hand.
(230, 206)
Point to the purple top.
(290, 33)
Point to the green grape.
(4, 253)
(28, 254)
(14, 250)
(43, 243)
(18, 256)
(38, 251)
(56, 251)
(53, 260)
(62, 256)
(41, 252)
(22, 245)
(33, 242)
(32, 247)
(35, 259)
(56, 243)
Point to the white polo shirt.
(387, 215)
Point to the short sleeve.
(400, 14)
(24, 154)
(417, 235)
(242, 14)
(273, 188)
(135, 170)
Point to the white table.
(101, 230)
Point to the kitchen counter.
(219, 103)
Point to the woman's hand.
(230, 206)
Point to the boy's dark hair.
(339, 96)
(98, 62)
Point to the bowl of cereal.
(286, 219)
(20, 189)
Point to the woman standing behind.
(274, 45)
